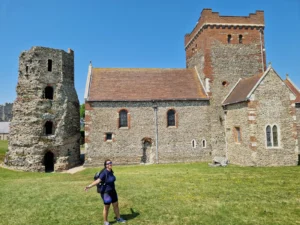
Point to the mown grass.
(156, 194)
(3, 149)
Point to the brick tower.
(45, 129)
(224, 49)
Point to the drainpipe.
(225, 125)
(156, 132)
(262, 51)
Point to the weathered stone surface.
(270, 105)
(28, 140)
(174, 144)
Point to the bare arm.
(92, 184)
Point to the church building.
(226, 102)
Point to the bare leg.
(105, 212)
(116, 209)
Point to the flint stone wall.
(28, 143)
(270, 105)
(174, 144)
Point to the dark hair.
(104, 164)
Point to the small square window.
(108, 137)
(298, 105)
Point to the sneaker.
(121, 220)
(106, 223)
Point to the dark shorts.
(109, 197)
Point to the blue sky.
(132, 33)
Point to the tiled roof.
(139, 84)
(242, 90)
(293, 89)
(4, 127)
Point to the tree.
(82, 111)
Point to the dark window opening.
(26, 69)
(171, 118)
(229, 38)
(49, 162)
(49, 92)
(123, 119)
(297, 105)
(275, 136)
(299, 160)
(241, 39)
(238, 137)
(108, 136)
(48, 128)
(269, 141)
(49, 65)
(224, 83)
(193, 143)
(204, 144)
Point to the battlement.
(209, 18)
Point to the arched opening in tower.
(49, 162)
(49, 92)
(48, 128)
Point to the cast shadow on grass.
(128, 216)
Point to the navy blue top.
(109, 179)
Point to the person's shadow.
(128, 216)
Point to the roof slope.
(139, 84)
(4, 127)
(242, 89)
(293, 88)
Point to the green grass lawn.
(3, 149)
(156, 194)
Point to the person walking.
(108, 192)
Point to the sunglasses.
(109, 163)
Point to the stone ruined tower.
(45, 129)
(224, 49)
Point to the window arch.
(203, 143)
(241, 39)
(49, 92)
(228, 38)
(194, 143)
(272, 136)
(123, 118)
(49, 128)
(171, 118)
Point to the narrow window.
(268, 133)
(26, 69)
(123, 119)
(49, 65)
(228, 38)
(108, 137)
(203, 143)
(48, 128)
(275, 136)
(194, 143)
(241, 39)
(238, 138)
(171, 118)
(207, 85)
(49, 92)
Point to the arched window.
(268, 133)
(229, 38)
(49, 128)
(194, 143)
(204, 143)
(241, 39)
(171, 118)
(275, 136)
(123, 118)
(49, 92)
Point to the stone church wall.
(174, 143)
(270, 105)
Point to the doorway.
(49, 162)
(147, 156)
